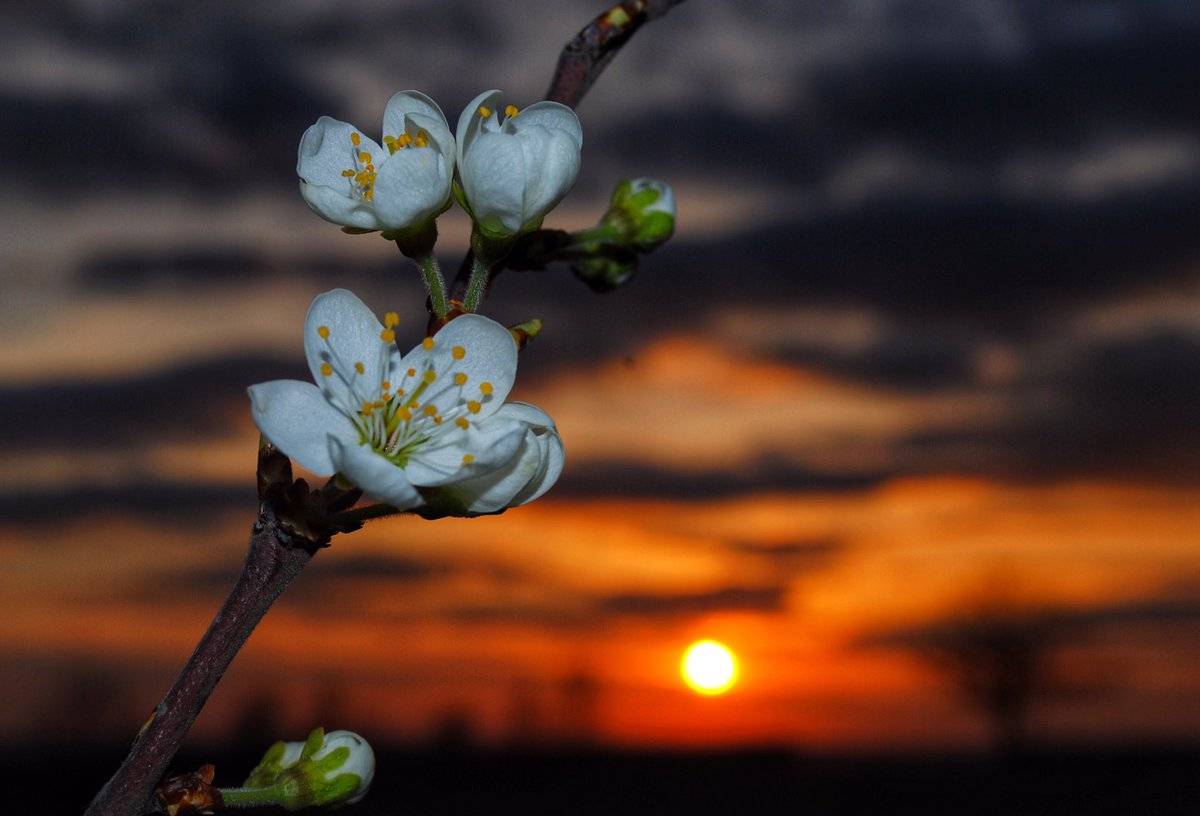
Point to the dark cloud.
(191, 401)
(727, 599)
(172, 503)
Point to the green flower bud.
(604, 273)
(642, 212)
(326, 770)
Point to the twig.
(592, 49)
(581, 62)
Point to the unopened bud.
(326, 770)
(643, 210)
(604, 273)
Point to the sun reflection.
(709, 667)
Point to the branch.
(581, 62)
(592, 49)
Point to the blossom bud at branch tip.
(326, 770)
(643, 210)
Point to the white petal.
(553, 161)
(326, 150)
(405, 103)
(438, 134)
(376, 476)
(298, 420)
(353, 338)
(470, 122)
(489, 355)
(494, 491)
(361, 761)
(493, 177)
(336, 206)
(412, 185)
(551, 455)
(551, 115)
(489, 444)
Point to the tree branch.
(592, 49)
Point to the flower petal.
(493, 176)
(489, 445)
(298, 420)
(412, 185)
(376, 476)
(543, 434)
(551, 115)
(470, 122)
(326, 149)
(409, 111)
(474, 359)
(552, 159)
(335, 206)
(353, 336)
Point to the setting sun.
(709, 667)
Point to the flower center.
(362, 174)
(493, 123)
(422, 400)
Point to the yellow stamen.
(485, 111)
(437, 420)
(360, 368)
(323, 331)
(326, 370)
(405, 140)
(486, 389)
(422, 139)
(412, 372)
(427, 344)
(429, 376)
(430, 410)
(388, 335)
(347, 174)
(462, 423)
(385, 386)
(511, 110)
(364, 157)
(473, 407)
(468, 459)
(391, 319)
(355, 139)
(458, 352)
(460, 379)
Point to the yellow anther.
(364, 157)
(405, 140)
(367, 408)
(399, 392)
(429, 376)
(511, 110)
(427, 344)
(385, 386)
(462, 423)
(460, 379)
(391, 319)
(388, 335)
(360, 368)
(355, 139)
(458, 352)
(412, 372)
(437, 420)
(468, 459)
(486, 389)
(326, 370)
(404, 414)
(473, 407)
(485, 111)
(323, 331)
(422, 139)
(347, 174)
(430, 409)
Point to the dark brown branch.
(592, 49)
(274, 559)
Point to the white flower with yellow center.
(347, 178)
(430, 426)
(515, 165)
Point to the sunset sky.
(924, 355)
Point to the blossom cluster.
(510, 166)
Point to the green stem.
(249, 797)
(435, 284)
(477, 285)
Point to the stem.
(477, 285)
(435, 284)
(275, 557)
(249, 797)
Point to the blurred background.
(905, 415)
